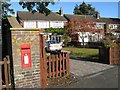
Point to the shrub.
(111, 41)
(59, 31)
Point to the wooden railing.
(57, 65)
(5, 84)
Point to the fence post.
(6, 73)
(63, 64)
(8, 63)
(110, 53)
(56, 65)
(0, 78)
(49, 61)
(53, 66)
(42, 62)
(60, 56)
(67, 63)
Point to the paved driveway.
(92, 75)
(105, 79)
(83, 68)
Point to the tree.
(6, 9)
(33, 7)
(85, 9)
(38, 6)
(80, 25)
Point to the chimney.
(98, 15)
(61, 11)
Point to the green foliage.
(111, 41)
(66, 38)
(6, 9)
(111, 44)
(59, 31)
(65, 42)
(85, 9)
(33, 7)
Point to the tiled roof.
(24, 15)
(14, 23)
(111, 20)
(106, 20)
(70, 16)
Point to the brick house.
(111, 24)
(88, 36)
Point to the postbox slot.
(25, 46)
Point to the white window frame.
(56, 24)
(29, 24)
(43, 24)
(99, 26)
(112, 26)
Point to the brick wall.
(26, 77)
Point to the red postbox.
(26, 56)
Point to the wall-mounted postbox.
(26, 56)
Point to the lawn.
(83, 53)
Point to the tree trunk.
(83, 42)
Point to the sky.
(106, 9)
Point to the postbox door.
(26, 57)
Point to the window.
(43, 24)
(112, 26)
(74, 37)
(56, 24)
(99, 26)
(29, 24)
